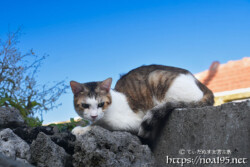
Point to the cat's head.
(91, 99)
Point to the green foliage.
(62, 127)
(18, 85)
(33, 121)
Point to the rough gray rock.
(45, 153)
(64, 139)
(8, 162)
(13, 146)
(225, 127)
(29, 134)
(102, 148)
(10, 118)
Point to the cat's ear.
(76, 87)
(106, 84)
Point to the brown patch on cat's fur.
(107, 101)
(159, 82)
(143, 84)
(137, 92)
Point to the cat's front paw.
(79, 131)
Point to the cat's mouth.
(94, 118)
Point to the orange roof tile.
(225, 77)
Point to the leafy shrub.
(18, 85)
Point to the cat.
(141, 99)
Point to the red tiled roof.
(225, 77)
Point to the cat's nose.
(94, 117)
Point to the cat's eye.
(101, 104)
(84, 105)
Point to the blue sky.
(94, 40)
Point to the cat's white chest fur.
(120, 116)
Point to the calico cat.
(141, 99)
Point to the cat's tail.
(208, 96)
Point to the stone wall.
(191, 133)
(207, 132)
